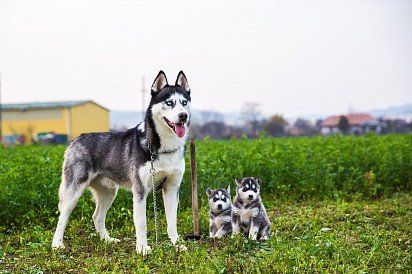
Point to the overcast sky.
(291, 57)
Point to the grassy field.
(315, 236)
(337, 204)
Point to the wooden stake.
(195, 205)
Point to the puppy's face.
(219, 199)
(248, 188)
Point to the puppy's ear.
(208, 191)
(257, 180)
(238, 181)
(159, 83)
(228, 189)
(182, 81)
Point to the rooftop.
(354, 119)
(45, 105)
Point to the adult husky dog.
(106, 161)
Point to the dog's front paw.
(112, 240)
(58, 245)
(174, 238)
(143, 249)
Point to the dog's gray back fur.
(249, 216)
(110, 155)
(220, 218)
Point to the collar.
(221, 212)
(163, 152)
(244, 205)
(157, 153)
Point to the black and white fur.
(249, 215)
(220, 212)
(103, 162)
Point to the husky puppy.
(105, 161)
(249, 215)
(220, 212)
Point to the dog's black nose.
(251, 197)
(183, 117)
(219, 206)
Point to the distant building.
(359, 123)
(62, 120)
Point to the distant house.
(359, 123)
(62, 120)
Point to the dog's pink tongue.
(180, 130)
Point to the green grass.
(357, 189)
(336, 167)
(364, 236)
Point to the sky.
(290, 57)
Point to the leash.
(153, 172)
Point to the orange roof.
(354, 119)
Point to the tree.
(211, 116)
(343, 124)
(395, 125)
(305, 126)
(213, 129)
(251, 114)
(275, 125)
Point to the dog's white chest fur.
(246, 214)
(167, 166)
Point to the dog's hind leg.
(224, 230)
(264, 233)
(68, 197)
(104, 197)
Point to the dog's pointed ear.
(182, 81)
(257, 180)
(159, 83)
(208, 191)
(238, 181)
(228, 189)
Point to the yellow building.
(62, 118)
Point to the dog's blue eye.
(215, 200)
(184, 103)
(169, 103)
(245, 189)
(224, 200)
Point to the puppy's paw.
(253, 237)
(143, 249)
(234, 235)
